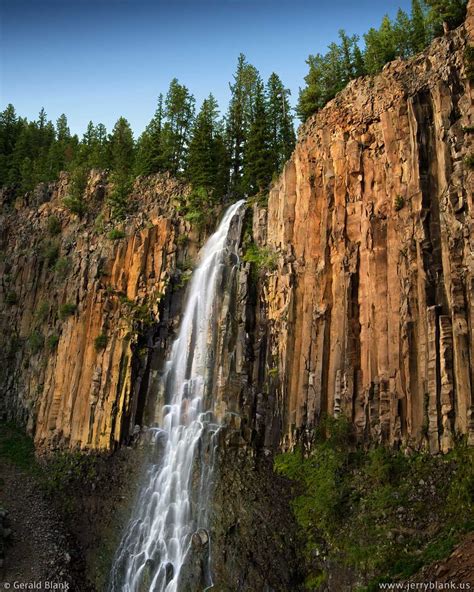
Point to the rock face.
(73, 301)
(371, 310)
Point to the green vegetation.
(116, 234)
(401, 38)
(52, 341)
(11, 298)
(381, 512)
(469, 62)
(469, 160)
(35, 342)
(50, 252)
(222, 157)
(66, 310)
(58, 475)
(261, 257)
(62, 469)
(74, 202)
(451, 12)
(398, 203)
(16, 447)
(61, 267)
(54, 226)
(100, 342)
(41, 312)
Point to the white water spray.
(157, 540)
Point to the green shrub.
(35, 342)
(66, 310)
(261, 257)
(75, 205)
(100, 342)
(61, 267)
(182, 240)
(469, 160)
(99, 224)
(52, 341)
(469, 62)
(54, 226)
(50, 252)
(17, 447)
(468, 129)
(116, 234)
(398, 203)
(11, 298)
(355, 505)
(64, 469)
(41, 312)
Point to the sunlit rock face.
(370, 312)
(71, 302)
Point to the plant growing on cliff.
(52, 341)
(62, 267)
(261, 257)
(116, 234)
(398, 203)
(35, 342)
(53, 226)
(469, 160)
(66, 310)
(50, 252)
(100, 342)
(41, 312)
(11, 298)
(374, 510)
(469, 62)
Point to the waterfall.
(174, 502)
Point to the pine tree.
(205, 149)
(10, 128)
(61, 151)
(380, 46)
(403, 37)
(451, 12)
(419, 31)
(239, 116)
(329, 74)
(121, 149)
(280, 122)
(258, 166)
(150, 145)
(311, 98)
(179, 114)
(99, 150)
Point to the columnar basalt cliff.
(74, 294)
(371, 310)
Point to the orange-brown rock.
(371, 309)
(72, 299)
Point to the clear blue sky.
(99, 59)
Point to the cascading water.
(174, 502)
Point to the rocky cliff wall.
(76, 302)
(370, 312)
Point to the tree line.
(402, 37)
(220, 156)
